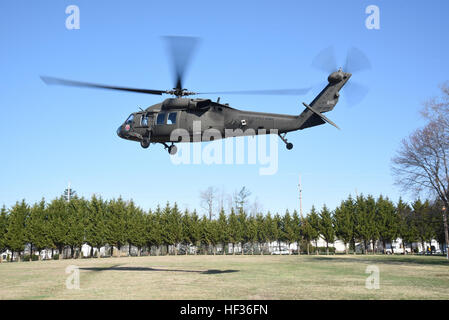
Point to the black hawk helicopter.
(156, 123)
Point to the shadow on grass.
(119, 268)
(397, 260)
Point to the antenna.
(300, 197)
(68, 193)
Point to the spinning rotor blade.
(293, 92)
(51, 80)
(355, 92)
(181, 50)
(325, 60)
(356, 61)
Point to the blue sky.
(52, 135)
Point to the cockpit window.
(130, 119)
(144, 121)
(160, 118)
(171, 118)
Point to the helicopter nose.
(120, 131)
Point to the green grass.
(229, 277)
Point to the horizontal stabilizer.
(322, 116)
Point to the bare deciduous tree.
(422, 162)
(207, 200)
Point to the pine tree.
(366, 228)
(261, 231)
(296, 229)
(251, 229)
(195, 230)
(38, 228)
(422, 220)
(326, 227)
(223, 231)
(242, 229)
(116, 224)
(387, 220)
(314, 227)
(233, 227)
(96, 229)
(288, 231)
(3, 230)
(16, 236)
(344, 222)
(407, 230)
(76, 221)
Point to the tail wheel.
(172, 149)
(289, 146)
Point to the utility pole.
(446, 236)
(300, 197)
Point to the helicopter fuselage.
(166, 122)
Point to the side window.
(144, 121)
(160, 118)
(171, 118)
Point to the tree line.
(61, 224)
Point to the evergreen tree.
(296, 229)
(366, 228)
(387, 220)
(168, 237)
(407, 230)
(288, 229)
(277, 229)
(3, 230)
(16, 236)
(76, 221)
(314, 226)
(234, 229)
(344, 222)
(153, 229)
(251, 229)
(187, 225)
(96, 229)
(38, 227)
(261, 231)
(223, 231)
(135, 227)
(326, 227)
(58, 218)
(243, 237)
(195, 230)
(116, 224)
(175, 221)
(422, 220)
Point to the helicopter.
(156, 123)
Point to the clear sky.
(52, 135)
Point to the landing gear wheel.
(145, 143)
(172, 149)
(289, 146)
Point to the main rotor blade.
(325, 60)
(181, 50)
(64, 82)
(356, 61)
(265, 92)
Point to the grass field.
(229, 277)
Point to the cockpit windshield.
(130, 119)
